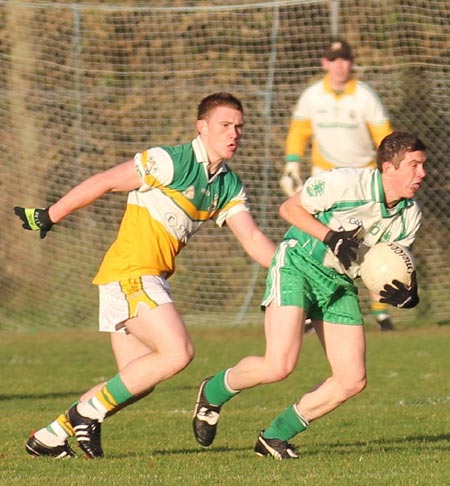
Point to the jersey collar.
(349, 89)
(201, 155)
(379, 196)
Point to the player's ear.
(387, 167)
(202, 127)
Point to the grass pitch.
(397, 432)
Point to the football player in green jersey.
(335, 214)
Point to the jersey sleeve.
(378, 132)
(303, 108)
(321, 192)
(300, 129)
(235, 205)
(155, 168)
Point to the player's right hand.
(344, 245)
(291, 182)
(35, 219)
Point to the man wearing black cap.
(346, 121)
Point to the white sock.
(92, 409)
(52, 435)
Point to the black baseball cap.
(338, 49)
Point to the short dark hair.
(394, 146)
(217, 99)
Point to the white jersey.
(346, 198)
(344, 126)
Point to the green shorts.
(295, 278)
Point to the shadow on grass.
(187, 451)
(42, 396)
(382, 444)
(373, 446)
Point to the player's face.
(407, 178)
(339, 71)
(221, 131)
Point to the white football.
(385, 262)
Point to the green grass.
(395, 433)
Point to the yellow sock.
(379, 310)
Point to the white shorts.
(120, 301)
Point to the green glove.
(35, 219)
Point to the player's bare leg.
(157, 347)
(345, 350)
(126, 348)
(52, 439)
(284, 333)
(163, 332)
(344, 347)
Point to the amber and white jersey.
(346, 127)
(176, 198)
(343, 199)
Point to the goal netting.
(85, 86)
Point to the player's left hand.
(399, 295)
(291, 182)
(35, 220)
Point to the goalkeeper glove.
(344, 245)
(35, 220)
(291, 182)
(399, 295)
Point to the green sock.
(116, 390)
(286, 425)
(113, 394)
(216, 391)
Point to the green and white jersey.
(346, 198)
(176, 198)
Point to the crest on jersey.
(214, 203)
(387, 236)
(315, 188)
(189, 192)
(150, 166)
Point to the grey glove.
(291, 182)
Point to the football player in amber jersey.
(173, 191)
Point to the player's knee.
(278, 372)
(187, 354)
(181, 357)
(353, 386)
